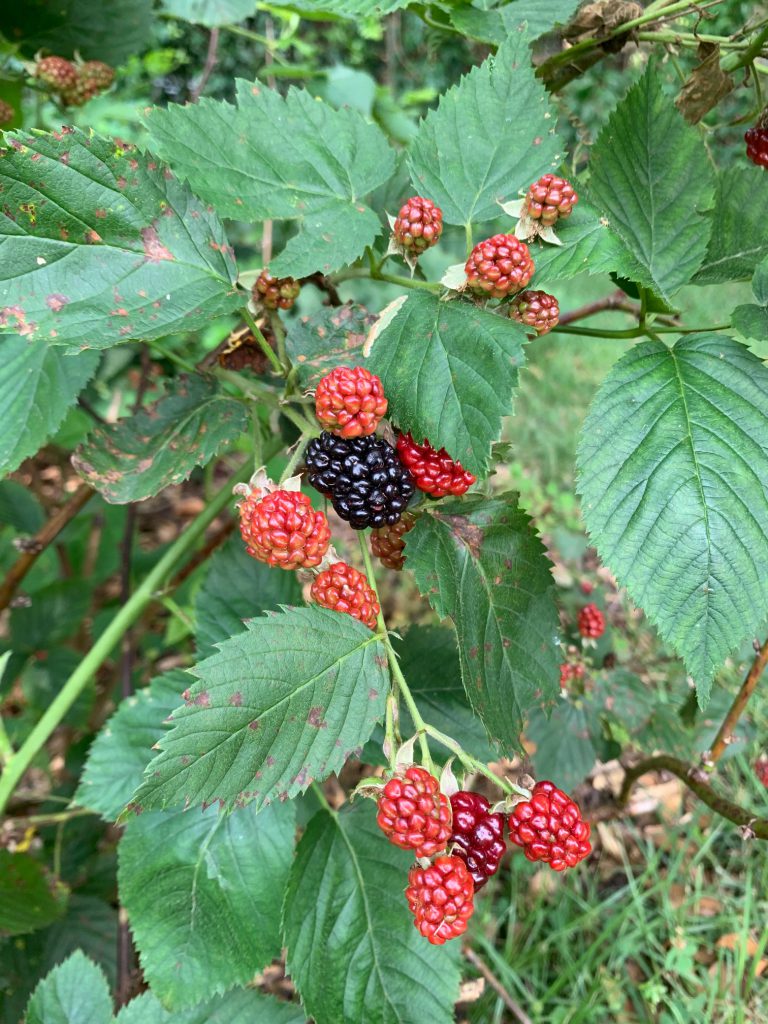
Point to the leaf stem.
(264, 345)
(636, 332)
(19, 762)
(725, 732)
(322, 798)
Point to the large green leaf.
(328, 338)
(752, 320)
(673, 464)
(240, 1006)
(140, 455)
(739, 240)
(75, 992)
(29, 899)
(111, 32)
(204, 905)
(211, 13)
(449, 370)
(468, 163)
(565, 750)
(99, 244)
(123, 748)
(283, 703)
(287, 158)
(479, 561)
(38, 384)
(496, 25)
(353, 952)
(651, 177)
(236, 588)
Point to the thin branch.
(693, 777)
(480, 965)
(616, 300)
(37, 544)
(210, 63)
(736, 710)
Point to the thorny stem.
(264, 345)
(20, 761)
(725, 732)
(691, 776)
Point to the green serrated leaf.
(495, 26)
(277, 706)
(38, 384)
(288, 158)
(449, 371)
(751, 321)
(105, 246)
(211, 13)
(564, 749)
(673, 465)
(236, 588)
(479, 561)
(138, 456)
(469, 164)
(328, 338)
(651, 177)
(29, 899)
(738, 240)
(240, 1006)
(123, 749)
(205, 906)
(353, 952)
(110, 32)
(75, 992)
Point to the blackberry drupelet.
(325, 459)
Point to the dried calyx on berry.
(591, 622)
(477, 835)
(413, 813)
(275, 292)
(499, 266)
(549, 827)
(756, 139)
(537, 310)
(417, 226)
(350, 401)
(433, 472)
(367, 483)
(280, 527)
(388, 545)
(343, 589)
(441, 898)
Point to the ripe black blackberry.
(367, 483)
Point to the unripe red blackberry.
(477, 835)
(757, 141)
(275, 292)
(549, 827)
(550, 199)
(418, 225)
(591, 622)
(7, 113)
(343, 589)
(413, 813)
(441, 898)
(388, 545)
(97, 74)
(80, 93)
(569, 673)
(537, 310)
(282, 529)
(350, 401)
(434, 472)
(499, 266)
(58, 72)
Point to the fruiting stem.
(408, 282)
(264, 345)
(297, 456)
(725, 732)
(19, 762)
(399, 685)
(474, 765)
(733, 61)
(690, 776)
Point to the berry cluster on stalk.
(75, 82)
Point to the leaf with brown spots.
(102, 245)
(480, 562)
(304, 677)
(328, 338)
(161, 445)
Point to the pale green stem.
(264, 345)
